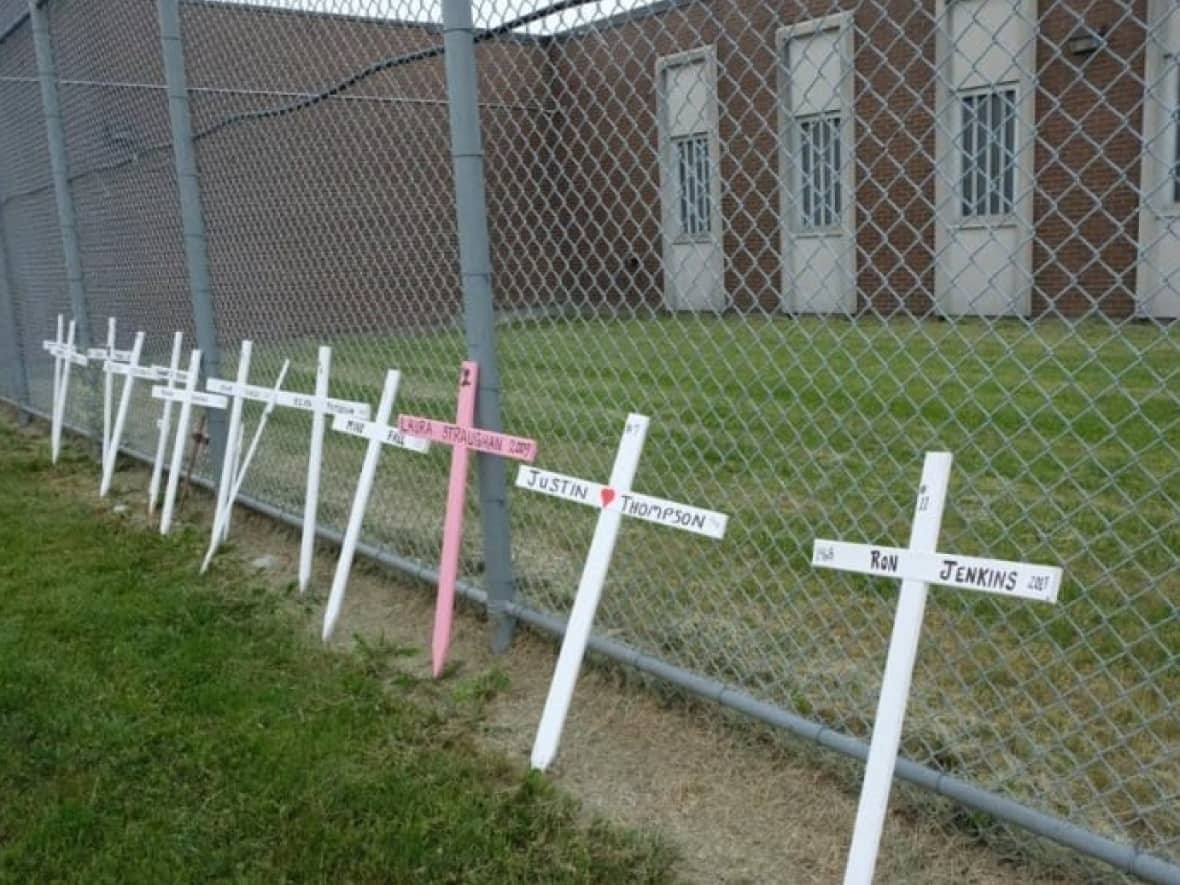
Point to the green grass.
(1066, 439)
(156, 727)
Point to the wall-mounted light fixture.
(123, 137)
(1085, 40)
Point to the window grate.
(988, 149)
(1176, 140)
(820, 196)
(693, 177)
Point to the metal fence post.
(479, 315)
(20, 366)
(188, 184)
(60, 166)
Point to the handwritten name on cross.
(235, 465)
(105, 355)
(917, 566)
(320, 405)
(463, 438)
(188, 396)
(171, 375)
(614, 501)
(233, 444)
(64, 356)
(128, 371)
(378, 433)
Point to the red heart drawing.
(608, 495)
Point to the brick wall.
(339, 218)
(1086, 153)
(1090, 116)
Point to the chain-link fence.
(811, 238)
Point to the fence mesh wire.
(810, 239)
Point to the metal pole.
(60, 166)
(476, 270)
(195, 246)
(20, 365)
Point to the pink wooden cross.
(462, 437)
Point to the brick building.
(954, 157)
(967, 157)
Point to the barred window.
(693, 178)
(1176, 139)
(820, 197)
(988, 144)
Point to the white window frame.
(789, 124)
(1173, 63)
(1160, 163)
(950, 84)
(670, 215)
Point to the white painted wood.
(115, 355)
(292, 399)
(315, 458)
(1158, 269)
(895, 685)
(176, 376)
(57, 361)
(221, 516)
(983, 264)
(661, 511)
(71, 358)
(356, 516)
(107, 388)
(384, 433)
(56, 349)
(238, 461)
(130, 370)
(108, 467)
(165, 424)
(186, 397)
(233, 435)
(577, 633)
(197, 398)
(320, 405)
(686, 102)
(1000, 576)
(816, 80)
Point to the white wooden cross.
(378, 432)
(130, 370)
(108, 355)
(917, 566)
(235, 465)
(171, 375)
(229, 464)
(57, 348)
(319, 404)
(187, 396)
(64, 356)
(614, 501)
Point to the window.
(819, 172)
(1176, 139)
(693, 183)
(988, 144)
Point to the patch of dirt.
(740, 805)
